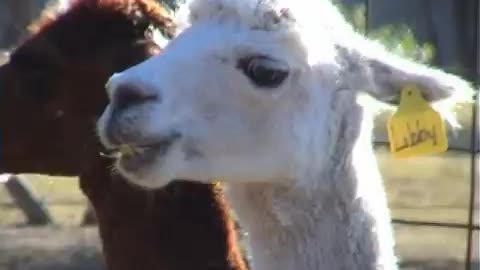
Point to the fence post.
(25, 198)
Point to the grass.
(429, 188)
(50, 248)
(62, 195)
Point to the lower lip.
(132, 162)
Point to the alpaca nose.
(127, 95)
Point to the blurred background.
(45, 221)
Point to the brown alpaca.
(52, 91)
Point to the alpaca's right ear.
(382, 74)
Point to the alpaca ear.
(383, 75)
(389, 78)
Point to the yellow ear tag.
(415, 128)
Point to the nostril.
(129, 95)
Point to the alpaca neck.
(344, 225)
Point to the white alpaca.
(264, 95)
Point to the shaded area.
(50, 249)
(73, 248)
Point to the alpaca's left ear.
(383, 75)
(390, 78)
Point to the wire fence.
(470, 226)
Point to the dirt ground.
(75, 248)
(51, 248)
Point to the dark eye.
(263, 71)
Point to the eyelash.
(263, 71)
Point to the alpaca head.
(254, 90)
(52, 85)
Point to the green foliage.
(172, 4)
(397, 38)
(402, 41)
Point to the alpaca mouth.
(128, 150)
(132, 157)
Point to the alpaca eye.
(263, 71)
